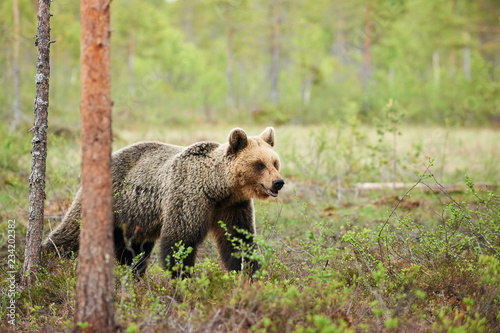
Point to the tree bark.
(95, 285)
(16, 119)
(39, 151)
(275, 51)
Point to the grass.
(334, 259)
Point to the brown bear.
(179, 194)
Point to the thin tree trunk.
(390, 77)
(206, 104)
(188, 20)
(306, 90)
(131, 56)
(436, 69)
(367, 45)
(15, 64)
(229, 57)
(367, 66)
(394, 160)
(339, 48)
(242, 87)
(95, 285)
(453, 62)
(467, 72)
(39, 150)
(275, 51)
(8, 86)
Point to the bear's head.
(255, 164)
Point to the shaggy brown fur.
(180, 194)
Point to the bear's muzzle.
(278, 184)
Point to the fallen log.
(436, 188)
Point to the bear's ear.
(237, 140)
(268, 136)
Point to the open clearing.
(336, 257)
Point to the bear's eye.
(276, 165)
(260, 166)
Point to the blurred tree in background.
(280, 61)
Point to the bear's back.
(148, 155)
(137, 171)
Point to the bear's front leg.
(233, 249)
(177, 256)
(181, 235)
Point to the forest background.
(301, 62)
(386, 114)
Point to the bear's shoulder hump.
(202, 149)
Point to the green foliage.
(324, 288)
(379, 260)
(82, 325)
(436, 58)
(132, 328)
(181, 252)
(14, 165)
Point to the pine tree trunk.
(39, 150)
(16, 119)
(95, 285)
(275, 51)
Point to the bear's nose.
(278, 184)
